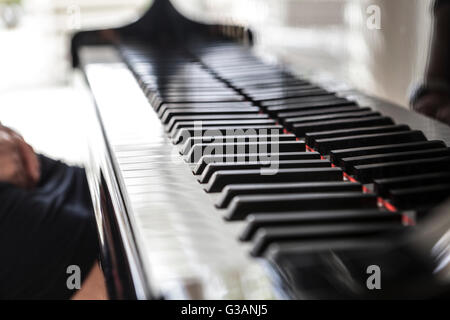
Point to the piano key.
(158, 101)
(253, 71)
(318, 104)
(419, 197)
(367, 173)
(382, 186)
(285, 101)
(189, 95)
(308, 218)
(275, 84)
(279, 89)
(241, 206)
(202, 149)
(300, 129)
(205, 160)
(187, 124)
(324, 146)
(297, 109)
(247, 79)
(231, 191)
(235, 138)
(221, 179)
(311, 138)
(167, 115)
(234, 105)
(349, 163)
(288, 122)
(313, 91)
(268, 235)
(218, 87)
(321, 111)
(271, 165)
(187, 133)
(237, 116)
(337, 155)
(299, 254)
(267, 82)
(193, 94)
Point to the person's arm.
(19, 165)
(433, 97)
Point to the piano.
(217, 175)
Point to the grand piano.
(217, 175)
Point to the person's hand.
(434, 105)
(19, 164)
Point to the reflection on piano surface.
(216, 175)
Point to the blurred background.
(327, 37)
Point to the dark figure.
(46, 225)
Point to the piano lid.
(162, 25)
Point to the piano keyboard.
(231, 167)
(316, 129)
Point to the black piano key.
(419, 197)
(157, 101)
(205, 131)
(311, 138)
(279, 89)
(324, 146)
(235, 116)
(275, 164)
(306, 255)
(314, 91)
(201, 149)
(300, 129)
(331, 102)
(269, 82)
(187, 146)
(313, 103)
(348, 164)
(209, 123)
(191, 95)
(167, 114)
(248, 80)
(241, 206)
(310, 218)
(280, 102)
(383, 186)
(337, 155)
(198, 99)
(190, 88)
(225, 105)
(205, 160)
(221, 179)
(251, 75)
(231, 191)
(289, 122)
(288, 89)
(367, 173)
(150, 85)
(320, 111)
(268, 235)
(194, 93)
